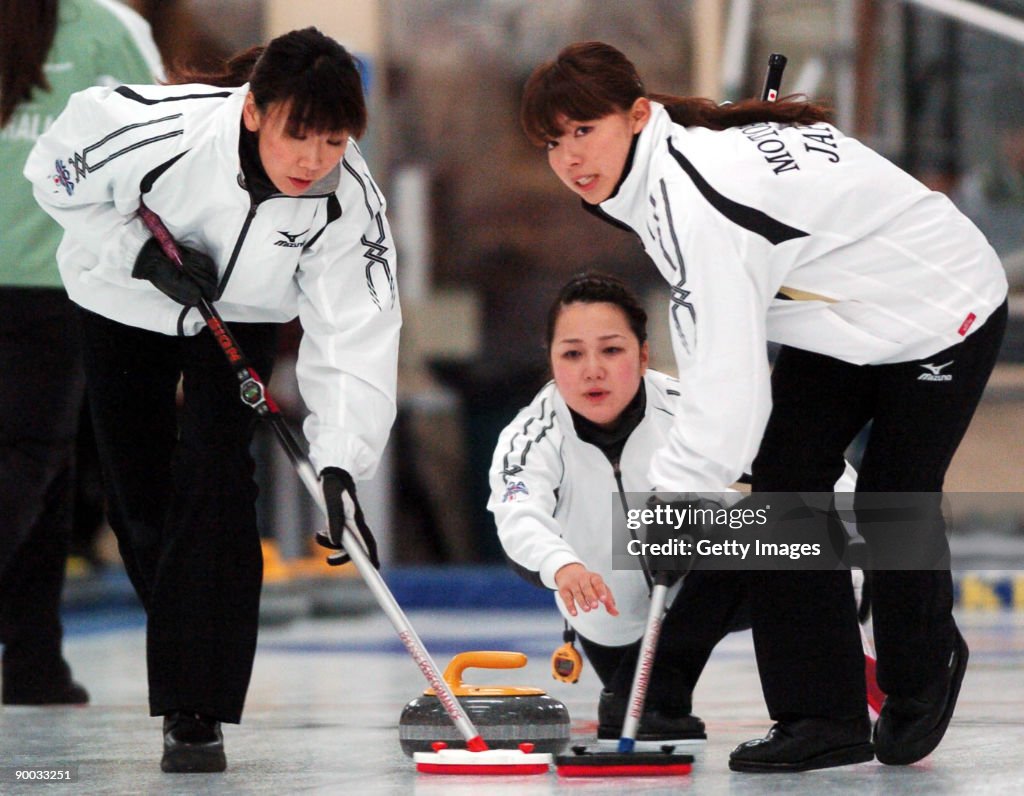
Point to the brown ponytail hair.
(26, 36)
(590, 80)
(235, 71)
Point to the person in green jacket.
(48, 50)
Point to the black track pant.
(40, 396)
(708, 606)
(805, 633)
(181, 500)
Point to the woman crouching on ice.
(589, 434)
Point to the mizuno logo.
(291, 241)
(934, 372)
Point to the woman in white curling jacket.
(557, 468)
(255, 171)
(768, 223)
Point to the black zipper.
(625, 510)
(253, 207)
(249, 216)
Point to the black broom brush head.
(584, 763)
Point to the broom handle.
(773, 77)
(254, 394)
(644, 664)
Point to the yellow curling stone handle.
(485, 659)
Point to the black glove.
(668, 569)
(195, 279)
(343, 512)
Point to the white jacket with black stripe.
(801, 236)
(554, 496)
(327, 257)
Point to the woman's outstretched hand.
(581, 589)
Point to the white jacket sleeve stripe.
(375, 249)
(545, 416)
(97, 155)
(678, 297)
(655, 231)
(678, 263)
(362, 184)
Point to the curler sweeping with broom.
(769, 224)
(255, 171)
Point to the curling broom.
(625, 762)
(476, 758)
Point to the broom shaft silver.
(373, 580)
(645, 662)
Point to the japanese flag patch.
(515, 491)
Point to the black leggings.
(181, 500)
(709, 605)
(805, 634)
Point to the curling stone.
(506, 716)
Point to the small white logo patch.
(934, 372)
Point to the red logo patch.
(968, 321)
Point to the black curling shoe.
(909, 729)
(192, 743)
(655, 725)
(69, 693)
(805, 745)
(30, 678)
